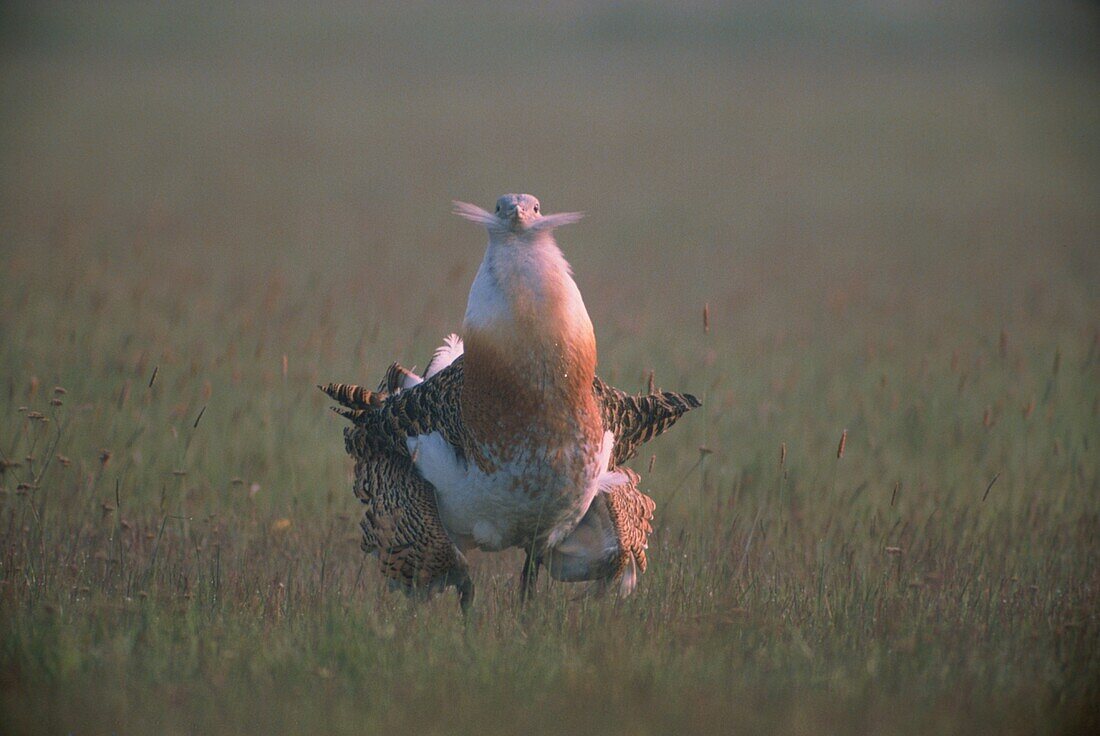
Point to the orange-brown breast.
(527, 390)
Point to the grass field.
(891, 213)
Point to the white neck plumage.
(525, 307)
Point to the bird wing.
(609, 544)
(637, 418)
(401, 523)
(631, 512)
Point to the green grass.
(892, 218)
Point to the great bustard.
(509, 439)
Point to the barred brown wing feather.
(635, 420)
(401, 523)
(631, 512)
(352, 396)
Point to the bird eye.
(536, 209)
(498, 209)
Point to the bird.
(509, 438)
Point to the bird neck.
(530, 347)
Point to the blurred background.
(790, 163)
(888, 208)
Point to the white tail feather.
(444, 355)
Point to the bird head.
(516, 214)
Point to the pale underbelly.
(528, 501)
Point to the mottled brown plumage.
(401, 523)
(636, 419)
(630, 511)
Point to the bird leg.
(465, 594)
(529, 578)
